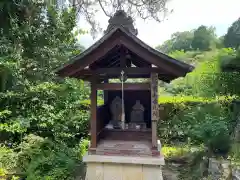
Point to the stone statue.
(116, 110)
(137, 114)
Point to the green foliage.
(36, 39)
(6, 79)
(193, 100)
(234, 154)
(7, 158)
(52, 110)
(178, 151)
(197, 120)
(203, 38)
(214, 133)
(193, 57)
(41, 158)
(197, 109)
(83, 147)
(232, 38)
(209, 79)
(203, 116)
(179, 41)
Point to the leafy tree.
(203, 38)
(182, 40)
(220, 42)
(166, 47)
(37, 38)
(178, 41)
(232, 38)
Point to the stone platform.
(102, 167)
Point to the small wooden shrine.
(126, 124)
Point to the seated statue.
(116, 111)
(137, 114)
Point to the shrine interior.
(137, 116)
(130, 99)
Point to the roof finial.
(119, 5)
(120, 19)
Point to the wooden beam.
(164, 77)
(105, 93)
(126, 86)
(113, 63)
(128, 71)
(117, 71)
(109, 57)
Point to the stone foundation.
(100, 167)
(223, 169)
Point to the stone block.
(219, 169)
(100, 167)
(236, 174)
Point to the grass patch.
(193, 99)
(87, 102)
(180, 152)
(234, 154)
(174, 151)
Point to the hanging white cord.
(123, 111)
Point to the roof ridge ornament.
(120, 19)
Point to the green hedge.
(196, 120)
(194, 99)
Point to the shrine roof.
(81, 66)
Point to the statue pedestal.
(103, 167)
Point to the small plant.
(179, 151)
(2, 172)
(83, 147)
(174, 151)
(234, 153)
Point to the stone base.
(100, 167)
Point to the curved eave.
(185, 68)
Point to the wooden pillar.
(93, 114)
(154, 107)
(105, 93)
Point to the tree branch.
(99, 1)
